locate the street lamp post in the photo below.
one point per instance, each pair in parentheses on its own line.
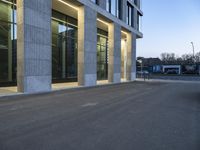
(194,54)
(193,50)
(140,61)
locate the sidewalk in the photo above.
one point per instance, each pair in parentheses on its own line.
(167,81)
(6,91)
(12,91)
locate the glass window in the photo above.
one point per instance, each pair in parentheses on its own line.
(64,47)
(8,42)
(118,6)
(139,21)
(130,15)
(135,2)
(114,7)
(102,55)
(108,5)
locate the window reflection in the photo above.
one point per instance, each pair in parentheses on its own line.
(64,48)
(102,55)
(130,14)
(8,38)
(114,7)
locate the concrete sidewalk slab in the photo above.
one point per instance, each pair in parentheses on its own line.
(167,81)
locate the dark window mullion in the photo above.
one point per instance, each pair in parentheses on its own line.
(110,4)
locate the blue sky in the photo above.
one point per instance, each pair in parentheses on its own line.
(169,26)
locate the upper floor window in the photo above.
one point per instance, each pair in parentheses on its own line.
(114,7)
(95,1)
(130,14)
(139,22)
(135,2)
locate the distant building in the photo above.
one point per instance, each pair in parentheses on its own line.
(171,69)
(152,65)
(155,65)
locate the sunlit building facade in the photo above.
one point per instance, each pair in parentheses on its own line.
(44,42)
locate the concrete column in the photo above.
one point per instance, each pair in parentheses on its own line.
(87,46)
(102,4)
(138,3)
(124,10)
(131,57)
(34,45)
(10,53)
(10,46)
(136,19)
(114,64)
(123,58)
(64,57)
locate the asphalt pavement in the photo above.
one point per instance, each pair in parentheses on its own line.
(177,77)
(129,116)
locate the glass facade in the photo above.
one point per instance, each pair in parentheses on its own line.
(130,14)
(8,42)
(102,55)
(114,7)
(64,47)
(64,44)
(139,22)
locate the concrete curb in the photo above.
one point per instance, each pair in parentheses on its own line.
(62,89)
(167,81)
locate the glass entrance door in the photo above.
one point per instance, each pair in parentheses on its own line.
(64,48)
(8,40)
(102,55)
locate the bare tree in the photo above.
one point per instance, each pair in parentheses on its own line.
(188,58)
(197,57)
(171,58)
(168,58)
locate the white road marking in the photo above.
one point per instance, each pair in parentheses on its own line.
(89,104)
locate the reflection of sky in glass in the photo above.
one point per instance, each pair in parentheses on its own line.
(113,7)
(13,18)
(62,28)
(169,26)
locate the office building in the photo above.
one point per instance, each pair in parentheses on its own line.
(53,41)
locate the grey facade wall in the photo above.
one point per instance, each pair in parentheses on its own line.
(34,45)
(34,52)
(124,10)
(122,22)
(114,65)
(102,4)
(131,57)
(87,43)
